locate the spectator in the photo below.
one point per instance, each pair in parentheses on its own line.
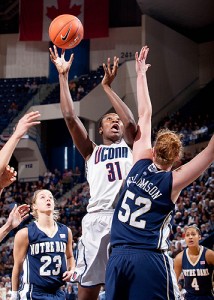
(80,90)
(33,88)
(13,109)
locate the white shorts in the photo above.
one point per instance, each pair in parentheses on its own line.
(93,249)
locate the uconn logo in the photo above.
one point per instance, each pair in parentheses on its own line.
(108,153)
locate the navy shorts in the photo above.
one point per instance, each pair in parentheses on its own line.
(137,274)
(33,292)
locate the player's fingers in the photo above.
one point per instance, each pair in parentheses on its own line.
(105,68)
(141,55)
(115,66)
(12,179)
(146,52)
(14,208)
(51,52)
(109,65)
(25,217)
(24,207)
(63,54)
(55,51)
(33,116)
(71,58)
(53,57)
(136,55)
(11,170)
(65,274)
(117,61)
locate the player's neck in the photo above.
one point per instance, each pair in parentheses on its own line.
(49,227)
(194,250)
(109,142)
(46,221)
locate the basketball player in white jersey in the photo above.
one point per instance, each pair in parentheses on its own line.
(107,166)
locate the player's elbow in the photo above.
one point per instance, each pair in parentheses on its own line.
(145,115)
(130,125)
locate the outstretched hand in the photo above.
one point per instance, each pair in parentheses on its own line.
(140,65)
(29,120)
(110,73)
(17,215)
(61,64)
(7,177)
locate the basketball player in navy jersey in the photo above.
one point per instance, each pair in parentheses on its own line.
(196,264)
(139,267)
(43,254)
(107,166)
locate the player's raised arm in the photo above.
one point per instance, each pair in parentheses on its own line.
(190,171)
(143,138)
(124,113)
(28,120)
(75,126)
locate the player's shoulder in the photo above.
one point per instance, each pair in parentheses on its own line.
(22,233)
(209,255)
(179,256)
(145,163)
(62,226)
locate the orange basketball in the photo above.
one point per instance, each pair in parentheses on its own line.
(66,31)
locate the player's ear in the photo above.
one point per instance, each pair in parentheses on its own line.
(100,131)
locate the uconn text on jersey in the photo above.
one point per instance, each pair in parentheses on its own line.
(105,153)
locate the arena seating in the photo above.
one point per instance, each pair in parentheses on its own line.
(15,93)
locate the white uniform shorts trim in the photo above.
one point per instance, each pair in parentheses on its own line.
(93,249)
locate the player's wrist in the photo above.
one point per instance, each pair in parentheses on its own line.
(14,295)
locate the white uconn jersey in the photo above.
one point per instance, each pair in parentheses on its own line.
(107,169)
